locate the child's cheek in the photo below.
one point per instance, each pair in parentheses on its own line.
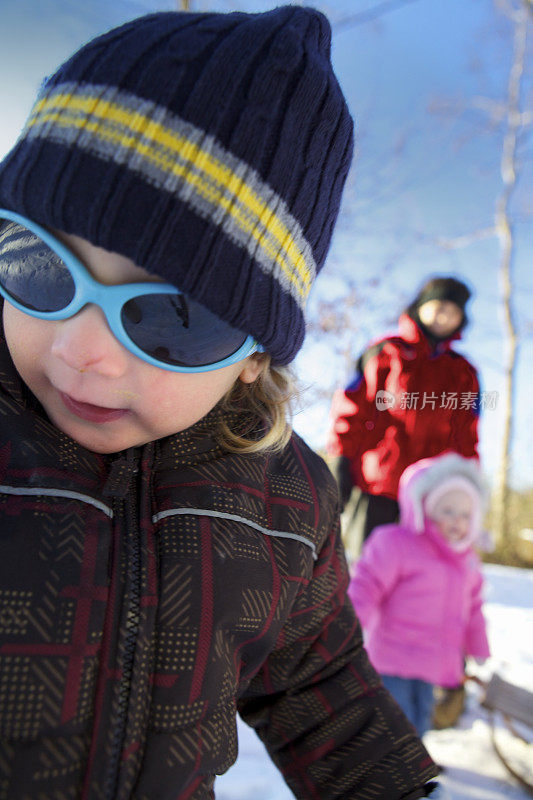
(26,339)
(169,402)
(175,401)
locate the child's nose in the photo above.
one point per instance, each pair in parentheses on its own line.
(85,342)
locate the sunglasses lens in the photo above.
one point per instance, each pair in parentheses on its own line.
(170,328)
(178,331)
(31,272)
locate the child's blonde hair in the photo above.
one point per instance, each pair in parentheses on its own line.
(263,411)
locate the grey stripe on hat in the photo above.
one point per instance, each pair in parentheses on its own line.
(131,141)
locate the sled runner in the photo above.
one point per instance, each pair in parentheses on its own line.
(515,704)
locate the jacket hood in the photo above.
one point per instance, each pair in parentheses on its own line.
(426,475)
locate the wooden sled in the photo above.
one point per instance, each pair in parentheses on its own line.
(515,704)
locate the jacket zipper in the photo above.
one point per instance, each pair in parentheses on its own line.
(133,556)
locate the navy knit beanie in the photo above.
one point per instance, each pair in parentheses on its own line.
(211,149)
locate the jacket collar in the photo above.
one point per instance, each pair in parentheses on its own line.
(197,444)
(413,333)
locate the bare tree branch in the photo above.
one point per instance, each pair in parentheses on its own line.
(514,10)
(369,15)
(458,242)
(493,110)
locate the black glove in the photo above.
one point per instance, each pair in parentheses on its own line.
(340,467)
(436,791)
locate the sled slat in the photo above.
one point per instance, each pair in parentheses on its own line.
(509,699)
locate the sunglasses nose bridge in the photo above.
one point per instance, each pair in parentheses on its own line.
(108,299)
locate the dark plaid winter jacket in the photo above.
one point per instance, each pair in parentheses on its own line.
(145,597)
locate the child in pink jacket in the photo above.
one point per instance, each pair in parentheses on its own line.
(417,586)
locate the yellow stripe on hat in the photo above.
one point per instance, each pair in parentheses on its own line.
(164,153)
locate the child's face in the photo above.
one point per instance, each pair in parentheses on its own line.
(452,515)
(93,388)
(441,317)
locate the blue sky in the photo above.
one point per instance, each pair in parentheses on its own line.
(419,174)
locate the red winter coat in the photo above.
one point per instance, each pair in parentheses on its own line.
(408,401)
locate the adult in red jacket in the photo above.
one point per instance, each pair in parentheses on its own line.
(412,397)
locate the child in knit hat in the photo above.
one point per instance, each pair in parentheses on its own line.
(417,587)
(170,551)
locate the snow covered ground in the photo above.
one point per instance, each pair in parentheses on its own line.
(472,769)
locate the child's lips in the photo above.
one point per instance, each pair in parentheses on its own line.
(457,534)
(90,412)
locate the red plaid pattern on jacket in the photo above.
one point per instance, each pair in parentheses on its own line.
(148,596)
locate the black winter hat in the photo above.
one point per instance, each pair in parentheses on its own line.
(443,289)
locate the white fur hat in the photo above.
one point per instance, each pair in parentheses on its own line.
(431,478)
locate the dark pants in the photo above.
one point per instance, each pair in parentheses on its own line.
(363,513)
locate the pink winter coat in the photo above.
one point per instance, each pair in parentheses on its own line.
(419,601)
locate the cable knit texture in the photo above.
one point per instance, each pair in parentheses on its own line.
(211,149)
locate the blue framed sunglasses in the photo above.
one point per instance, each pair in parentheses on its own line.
(154,321)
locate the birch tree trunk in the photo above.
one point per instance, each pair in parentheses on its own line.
(505,232)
